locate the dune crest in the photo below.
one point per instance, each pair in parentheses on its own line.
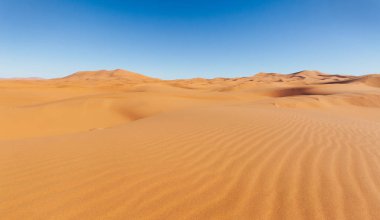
(117,74)
(305,77)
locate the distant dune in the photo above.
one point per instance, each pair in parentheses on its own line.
(113,144)
(117,74)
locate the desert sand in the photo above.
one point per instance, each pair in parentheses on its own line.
(121,145)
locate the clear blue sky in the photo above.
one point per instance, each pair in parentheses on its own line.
(188,38)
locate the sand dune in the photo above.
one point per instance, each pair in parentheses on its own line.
(371,80)
(117,74)
(119,145)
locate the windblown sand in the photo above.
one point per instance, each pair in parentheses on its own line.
(119,145)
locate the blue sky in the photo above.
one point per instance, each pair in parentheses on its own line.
(188,38)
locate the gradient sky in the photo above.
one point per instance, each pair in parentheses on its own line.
(188,38)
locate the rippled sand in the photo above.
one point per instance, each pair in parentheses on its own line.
(119,145)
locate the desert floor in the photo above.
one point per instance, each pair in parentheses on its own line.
(119,145)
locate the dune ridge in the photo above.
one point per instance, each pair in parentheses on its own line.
(103,145)
(117,74)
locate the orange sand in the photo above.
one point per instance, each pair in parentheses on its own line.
(119,145)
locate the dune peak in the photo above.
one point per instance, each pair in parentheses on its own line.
(119,74)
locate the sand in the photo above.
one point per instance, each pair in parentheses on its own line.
(120,145)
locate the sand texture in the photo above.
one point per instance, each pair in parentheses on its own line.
(120,145)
